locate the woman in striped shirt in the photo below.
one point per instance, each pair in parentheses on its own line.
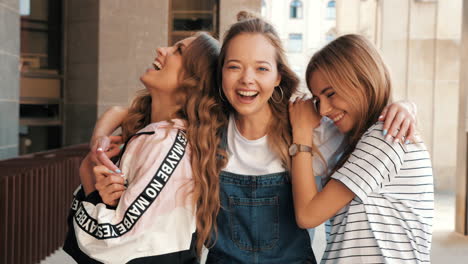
(380,194)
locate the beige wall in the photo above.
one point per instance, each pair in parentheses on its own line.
(420,41)
(228,10)
(129,34)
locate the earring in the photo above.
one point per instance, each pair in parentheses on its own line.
(282,96)
(220,94)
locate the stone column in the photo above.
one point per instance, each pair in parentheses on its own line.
(81,43)
(109,44)
(9,77)
(461,220)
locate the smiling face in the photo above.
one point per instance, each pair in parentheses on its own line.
(331,104)
(167,67)
(250,74)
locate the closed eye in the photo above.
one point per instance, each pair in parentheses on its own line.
(330,94)
(179,49)
(316,103)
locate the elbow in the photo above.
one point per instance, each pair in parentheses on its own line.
(305,221)
(118,109)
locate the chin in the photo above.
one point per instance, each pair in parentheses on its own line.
(344,128)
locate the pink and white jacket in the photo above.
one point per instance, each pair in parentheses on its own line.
(155,218)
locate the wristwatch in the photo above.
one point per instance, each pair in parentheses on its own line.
(296,148)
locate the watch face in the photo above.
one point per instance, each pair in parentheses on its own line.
(292,150)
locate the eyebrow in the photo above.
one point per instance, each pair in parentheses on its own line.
(180,45)
(259,61)
(326,89)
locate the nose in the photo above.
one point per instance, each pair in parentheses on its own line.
(161,51)
(248,76)
(325,107)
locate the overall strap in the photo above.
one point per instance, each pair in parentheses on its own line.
(223,143)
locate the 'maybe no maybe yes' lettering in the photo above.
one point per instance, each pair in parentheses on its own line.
(141,203)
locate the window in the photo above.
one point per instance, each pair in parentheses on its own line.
(295,9)
(295,43)
(331,10)
(330,35)
(263,10)
(25,7)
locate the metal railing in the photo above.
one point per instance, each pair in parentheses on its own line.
(35,196)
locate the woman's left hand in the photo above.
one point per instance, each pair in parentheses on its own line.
(304,119)
(399,121)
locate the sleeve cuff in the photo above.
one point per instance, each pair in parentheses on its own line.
(351,185)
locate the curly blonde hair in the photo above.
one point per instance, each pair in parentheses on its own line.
(279,129)
(205,118)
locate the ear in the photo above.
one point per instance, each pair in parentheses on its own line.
(278,80)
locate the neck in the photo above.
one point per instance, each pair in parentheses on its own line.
(163,107)
(253,126)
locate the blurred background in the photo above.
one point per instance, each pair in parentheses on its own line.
(64,62)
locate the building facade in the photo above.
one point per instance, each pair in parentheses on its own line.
(421,46)
(304,27)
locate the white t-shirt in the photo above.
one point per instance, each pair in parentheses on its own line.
(254,157)
(390,219)
(249,157)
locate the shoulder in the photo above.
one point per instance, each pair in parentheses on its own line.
(157,138)
(375,131)
(374,140)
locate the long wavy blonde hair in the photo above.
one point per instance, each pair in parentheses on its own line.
(205,118)
(356,71)
(279,129)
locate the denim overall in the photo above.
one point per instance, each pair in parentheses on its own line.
(256,223)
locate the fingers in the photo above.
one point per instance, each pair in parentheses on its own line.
(400,137)
(101,143)
(101,172)
(109,185)
(383,114)
(103,182)
(104,160)
(113,151)
(112,193)
(389,117)
(116,140)
(395,125)
(112,199)
(411,133)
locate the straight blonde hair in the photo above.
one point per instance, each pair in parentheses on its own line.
(356,71)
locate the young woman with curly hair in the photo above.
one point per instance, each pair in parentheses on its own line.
(170,164)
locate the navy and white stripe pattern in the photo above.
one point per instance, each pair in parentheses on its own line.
(390,219)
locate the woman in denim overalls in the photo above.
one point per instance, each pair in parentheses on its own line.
(256,223)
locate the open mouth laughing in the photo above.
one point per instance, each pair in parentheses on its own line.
(157,65)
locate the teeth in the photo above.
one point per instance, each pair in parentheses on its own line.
(338,118)
(247,93)
(157,65)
